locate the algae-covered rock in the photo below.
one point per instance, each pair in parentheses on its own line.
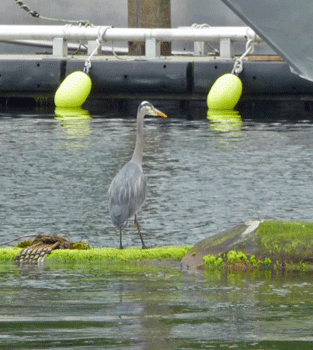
(269,244)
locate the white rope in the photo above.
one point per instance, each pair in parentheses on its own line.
(99,40)
(238,65)
(116,55)
(204,25)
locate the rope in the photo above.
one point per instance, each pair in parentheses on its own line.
(204,25)
(85,23)
(116,55)
(99,40)
(37,15)
(238,65)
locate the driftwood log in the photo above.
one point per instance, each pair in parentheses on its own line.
(43,245)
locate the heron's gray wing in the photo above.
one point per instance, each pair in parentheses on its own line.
(127,193)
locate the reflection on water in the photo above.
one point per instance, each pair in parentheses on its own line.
(228,123)
(75,124)
(152,307)
(225,120)
(204,176)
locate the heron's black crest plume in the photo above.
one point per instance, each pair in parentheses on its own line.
(144,104)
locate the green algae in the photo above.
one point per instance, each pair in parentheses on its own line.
(7,254)
(100,254)
(235,259)
(115,254)
(25,244)
(81,245)
(213,261)
(286,240)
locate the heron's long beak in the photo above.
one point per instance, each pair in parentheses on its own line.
(159,113)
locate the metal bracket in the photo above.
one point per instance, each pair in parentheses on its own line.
(92,46)
(59,47)
(200,48)
(153,48)
(226,48)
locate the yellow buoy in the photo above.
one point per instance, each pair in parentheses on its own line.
(225,92)
(73,91)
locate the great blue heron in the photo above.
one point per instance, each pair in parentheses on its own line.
(128,189)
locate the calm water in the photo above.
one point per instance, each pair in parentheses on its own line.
(205,175)
(132,307)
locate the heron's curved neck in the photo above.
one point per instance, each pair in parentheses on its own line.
(138,152)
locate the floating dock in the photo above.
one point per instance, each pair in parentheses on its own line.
(180,78)
(152,76)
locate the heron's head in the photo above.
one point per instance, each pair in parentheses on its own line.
(148,109)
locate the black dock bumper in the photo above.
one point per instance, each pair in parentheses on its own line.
(174,78)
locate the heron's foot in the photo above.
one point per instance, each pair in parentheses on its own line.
(144,247)
(121,247)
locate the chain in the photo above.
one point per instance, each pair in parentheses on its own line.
(238,65)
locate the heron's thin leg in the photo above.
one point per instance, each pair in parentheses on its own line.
(121,245)
(138,229)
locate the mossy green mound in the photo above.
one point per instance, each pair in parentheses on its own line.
(100,254)
(286,240)
(130,254)
(256,244)
(8,254)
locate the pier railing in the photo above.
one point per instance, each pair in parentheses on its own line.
(61,36)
